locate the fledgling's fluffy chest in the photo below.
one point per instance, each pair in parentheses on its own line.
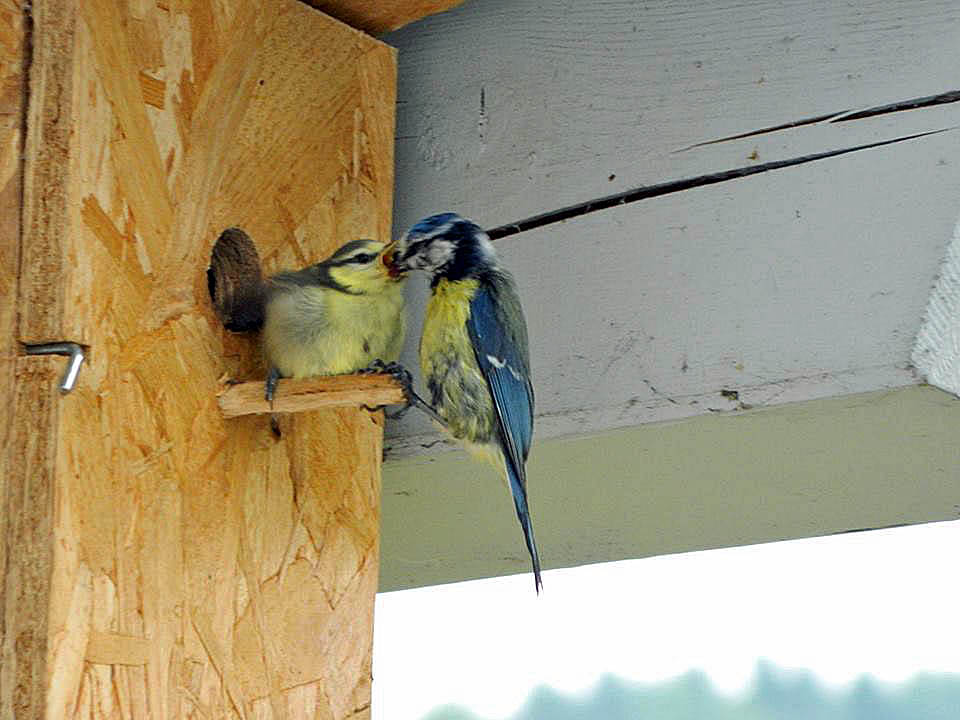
(316,331)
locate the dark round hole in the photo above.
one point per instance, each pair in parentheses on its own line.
(236,282)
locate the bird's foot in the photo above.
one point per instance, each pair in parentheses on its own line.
(398,372)
(393,416)
(378,366)
(405,378)
(273,377)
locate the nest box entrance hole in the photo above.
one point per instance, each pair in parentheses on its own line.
(235,281)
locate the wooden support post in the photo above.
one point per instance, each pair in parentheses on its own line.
(160,560)
(22,626)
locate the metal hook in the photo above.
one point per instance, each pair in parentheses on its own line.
(71,349)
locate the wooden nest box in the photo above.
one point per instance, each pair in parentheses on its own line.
(160,560)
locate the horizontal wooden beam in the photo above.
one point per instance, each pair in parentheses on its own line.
(383,16)
(311,394)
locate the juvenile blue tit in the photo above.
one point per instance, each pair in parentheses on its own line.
(473,351)
(338,316)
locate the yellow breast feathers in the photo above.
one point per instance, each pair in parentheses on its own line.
(445,322)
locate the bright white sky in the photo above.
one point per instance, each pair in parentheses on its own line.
(882,602)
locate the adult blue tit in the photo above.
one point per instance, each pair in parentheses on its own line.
(473,351)
(338,316)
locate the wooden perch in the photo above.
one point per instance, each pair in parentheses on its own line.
(311,394)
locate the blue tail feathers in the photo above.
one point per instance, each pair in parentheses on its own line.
(519,493)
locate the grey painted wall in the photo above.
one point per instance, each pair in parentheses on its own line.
(791,285)
(794,288)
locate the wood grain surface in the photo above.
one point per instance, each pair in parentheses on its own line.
(182,565)
(383,16)
(24,479)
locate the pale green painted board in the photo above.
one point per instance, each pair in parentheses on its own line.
(814,468)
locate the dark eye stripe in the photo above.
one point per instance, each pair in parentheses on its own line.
(415,248)
(362,258)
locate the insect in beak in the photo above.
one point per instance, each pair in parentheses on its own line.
(389,260)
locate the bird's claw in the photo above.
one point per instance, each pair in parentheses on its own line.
(273,376)
(392,416)
(393,368)
(405,378)
(400,374)
(376,367)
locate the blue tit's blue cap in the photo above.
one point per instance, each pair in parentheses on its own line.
(429,224)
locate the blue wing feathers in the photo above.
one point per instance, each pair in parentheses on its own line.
(499,337)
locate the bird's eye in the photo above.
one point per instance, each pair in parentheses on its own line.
(362,258)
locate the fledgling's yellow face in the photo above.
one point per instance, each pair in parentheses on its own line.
(362,266)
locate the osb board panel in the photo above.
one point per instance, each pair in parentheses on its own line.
(201,567)
(29,524)
(384,16)
(12,49)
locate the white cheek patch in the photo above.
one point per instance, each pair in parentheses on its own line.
(439,253)
(486,248)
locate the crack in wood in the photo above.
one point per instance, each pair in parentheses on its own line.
(914,104)
(828,117)
(649,191)
(841,116)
